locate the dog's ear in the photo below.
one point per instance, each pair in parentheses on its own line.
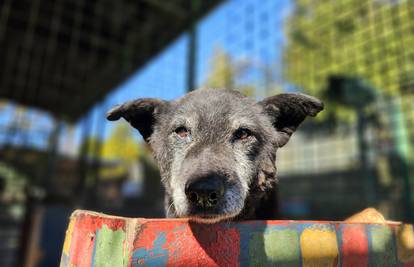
(287,111)
(140,113)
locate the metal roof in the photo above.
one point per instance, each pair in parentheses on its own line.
(63,56)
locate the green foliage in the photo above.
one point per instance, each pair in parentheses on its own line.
(118,151)
(15,183)
(222,71)
(91,145)
(225,73)
(367,39)
(121,144)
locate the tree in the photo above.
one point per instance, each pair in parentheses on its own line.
(222,71)
(121,144)
(120,147)
(226,73)
(368,39)
(92,145)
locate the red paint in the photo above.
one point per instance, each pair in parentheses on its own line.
(276,223)
(354,246)
(81,247)
(191,244)
(221,244)
(84,235)
(92,223)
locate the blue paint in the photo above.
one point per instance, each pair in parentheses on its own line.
(245,230)
(64,261)
(157,256)
(339,241)
(381,256)
(94,248)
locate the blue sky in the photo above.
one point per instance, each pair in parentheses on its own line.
(245,29)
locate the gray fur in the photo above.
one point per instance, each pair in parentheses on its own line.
(212,117)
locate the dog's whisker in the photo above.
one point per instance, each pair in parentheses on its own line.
(169,207)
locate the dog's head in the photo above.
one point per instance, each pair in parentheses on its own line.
(216,149)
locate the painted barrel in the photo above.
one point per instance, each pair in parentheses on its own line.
(95,239)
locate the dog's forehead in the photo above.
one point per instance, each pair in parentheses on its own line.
(216,102)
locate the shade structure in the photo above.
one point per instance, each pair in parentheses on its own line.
(65,56)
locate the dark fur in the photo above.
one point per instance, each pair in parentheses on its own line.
(212,116)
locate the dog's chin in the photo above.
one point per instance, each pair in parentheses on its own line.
(210,219)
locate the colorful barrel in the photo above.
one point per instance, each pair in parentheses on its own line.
(99,240)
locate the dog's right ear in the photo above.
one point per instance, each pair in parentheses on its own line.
(140,113)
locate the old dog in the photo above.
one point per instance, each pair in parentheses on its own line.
(216,149)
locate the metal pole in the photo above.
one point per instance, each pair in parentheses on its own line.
(402,155)
(82,160)
(192,45)
(97,153)
(370,181)
(100,129)
(52,160)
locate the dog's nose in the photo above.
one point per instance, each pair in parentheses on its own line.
(205,192)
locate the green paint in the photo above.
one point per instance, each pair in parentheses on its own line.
(109,250)
(279,247)
(382,245)
(126,256)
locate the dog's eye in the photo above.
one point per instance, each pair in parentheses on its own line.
(242,134)
(182,132)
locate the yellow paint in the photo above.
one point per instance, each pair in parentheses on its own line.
(319,247)
(68,237)
(405,243)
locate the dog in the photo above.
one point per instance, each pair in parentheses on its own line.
(216,149)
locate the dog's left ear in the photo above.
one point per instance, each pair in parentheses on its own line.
(287,111)
(140,113)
